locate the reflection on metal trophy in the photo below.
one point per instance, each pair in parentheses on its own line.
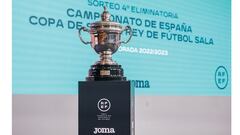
(105,40)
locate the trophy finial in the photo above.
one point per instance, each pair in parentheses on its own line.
(105,15)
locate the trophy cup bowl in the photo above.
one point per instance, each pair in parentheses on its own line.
(105,37)
(105,40)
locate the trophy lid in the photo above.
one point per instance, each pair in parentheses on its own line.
(105,23)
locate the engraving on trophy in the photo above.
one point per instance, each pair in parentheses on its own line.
(102,37)
(105,40)
(105,72)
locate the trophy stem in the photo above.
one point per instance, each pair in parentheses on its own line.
(106,58)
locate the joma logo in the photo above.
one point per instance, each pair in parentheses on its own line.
(104,130)
(141,83)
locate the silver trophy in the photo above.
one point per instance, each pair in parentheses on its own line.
(105,40)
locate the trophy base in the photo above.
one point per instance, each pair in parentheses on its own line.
(106,73)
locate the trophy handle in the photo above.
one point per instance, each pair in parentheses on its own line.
(130,34)
(80,36)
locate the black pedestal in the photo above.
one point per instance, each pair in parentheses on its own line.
(106,107)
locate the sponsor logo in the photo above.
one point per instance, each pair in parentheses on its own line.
(104,131)
(141,83)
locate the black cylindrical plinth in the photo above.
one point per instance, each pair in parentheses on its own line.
(105,73)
